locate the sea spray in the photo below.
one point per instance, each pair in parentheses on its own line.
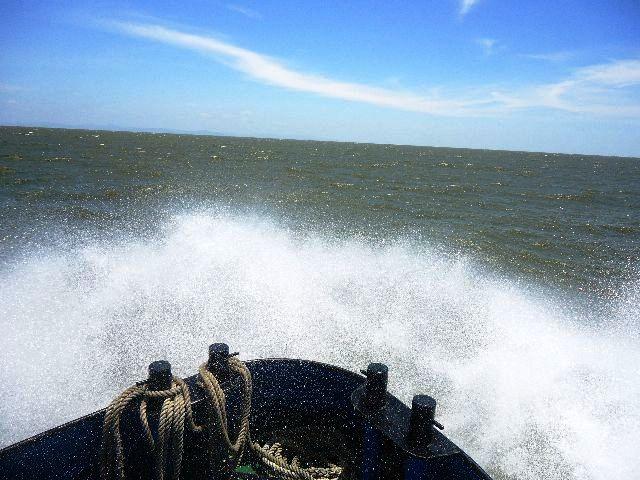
(527,382)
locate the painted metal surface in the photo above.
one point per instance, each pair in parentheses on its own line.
(313,405)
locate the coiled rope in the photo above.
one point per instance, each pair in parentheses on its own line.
(168,448)
(217,400)
(273,457)
(270,456)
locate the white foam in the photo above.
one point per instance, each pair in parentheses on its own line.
(523,383)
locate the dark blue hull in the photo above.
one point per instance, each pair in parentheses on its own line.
(318,407)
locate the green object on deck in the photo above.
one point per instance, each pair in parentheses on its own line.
(245,469)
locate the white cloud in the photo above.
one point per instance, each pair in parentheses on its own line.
(247,12)
(272,72)
(549,57)
(621,73)
(8,88)
(603,89)
(597,89)
(487,45)
(465,6)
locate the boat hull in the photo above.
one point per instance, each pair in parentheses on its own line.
(314,405)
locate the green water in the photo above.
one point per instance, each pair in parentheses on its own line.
(564,220)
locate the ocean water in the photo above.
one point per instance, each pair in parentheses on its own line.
(505,284)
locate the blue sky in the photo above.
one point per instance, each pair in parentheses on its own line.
(560,76)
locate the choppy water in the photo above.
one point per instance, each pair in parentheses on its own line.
(505,284)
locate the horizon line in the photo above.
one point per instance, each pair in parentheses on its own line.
(208,133)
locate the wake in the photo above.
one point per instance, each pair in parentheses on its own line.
(526,382)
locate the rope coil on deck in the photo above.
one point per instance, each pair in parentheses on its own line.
(217,399)
(273,458)
(168,448)
(270,456)
(175,412)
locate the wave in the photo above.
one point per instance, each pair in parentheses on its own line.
(529,383)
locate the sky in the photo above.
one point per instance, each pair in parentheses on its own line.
(553,76)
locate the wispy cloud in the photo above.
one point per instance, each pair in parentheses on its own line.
(8,88)
(549,57)
(247,12)
(465,6)
(602,89)
(623,73)
(272,72)
(488,45)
